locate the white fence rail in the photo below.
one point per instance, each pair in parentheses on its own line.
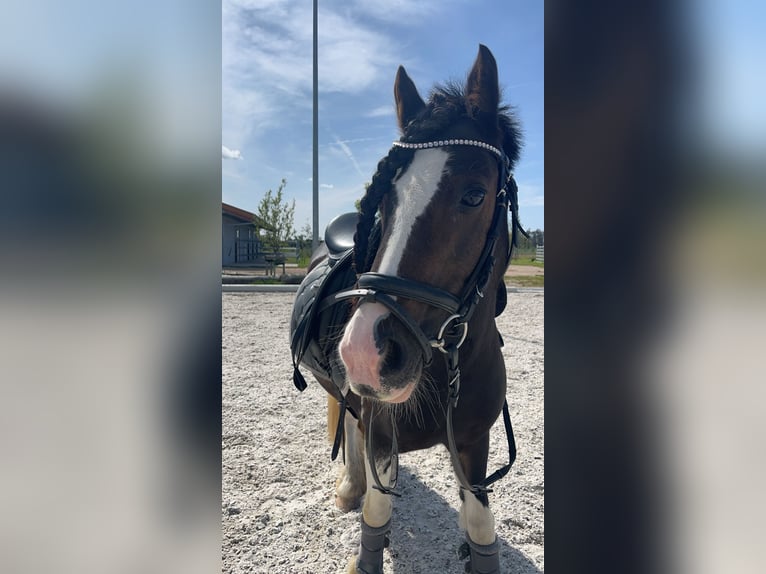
(540,253)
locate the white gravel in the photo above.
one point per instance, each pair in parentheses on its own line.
(278,514)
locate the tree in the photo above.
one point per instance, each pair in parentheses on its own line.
(305,235)
(358,202)
(303,244)
(274,211)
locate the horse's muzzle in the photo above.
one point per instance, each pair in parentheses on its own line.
(382,359)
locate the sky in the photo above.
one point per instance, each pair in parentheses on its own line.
(267,90)
(728,43)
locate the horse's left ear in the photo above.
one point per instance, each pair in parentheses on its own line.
(482,90)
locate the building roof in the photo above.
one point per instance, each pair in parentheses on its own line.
(245,216)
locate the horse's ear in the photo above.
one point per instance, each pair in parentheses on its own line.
(482,90)
(408,101)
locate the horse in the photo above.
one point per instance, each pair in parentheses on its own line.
(393,290)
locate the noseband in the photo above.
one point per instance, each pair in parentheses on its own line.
(381,288)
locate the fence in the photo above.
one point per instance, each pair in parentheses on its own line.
(540,253)
(246,250)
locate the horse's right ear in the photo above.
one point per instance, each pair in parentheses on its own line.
(408,101)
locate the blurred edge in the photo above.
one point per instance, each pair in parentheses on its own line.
(655,300)
(110,289)
(110,339)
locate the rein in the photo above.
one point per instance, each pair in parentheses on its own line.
(380,288)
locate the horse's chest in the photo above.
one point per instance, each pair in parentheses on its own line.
(474,416)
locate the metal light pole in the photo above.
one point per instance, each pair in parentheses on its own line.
(315,177)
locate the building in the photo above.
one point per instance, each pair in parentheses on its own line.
(241,243)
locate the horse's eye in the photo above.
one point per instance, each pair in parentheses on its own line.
(473,197)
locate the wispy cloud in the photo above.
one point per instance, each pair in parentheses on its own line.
(227,153)
(399,11)
(326,185)
(381,111)
(349,154)
(267,44)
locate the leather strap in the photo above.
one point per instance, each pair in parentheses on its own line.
(394,459)
(373,296)
(453,370)
(409,289)
(340,431)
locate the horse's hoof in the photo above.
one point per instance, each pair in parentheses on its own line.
(348,504)
(464,551)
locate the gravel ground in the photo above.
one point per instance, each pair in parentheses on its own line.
(278,513)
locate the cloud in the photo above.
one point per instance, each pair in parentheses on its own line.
(402,12)
(326,185)
(349,154)
(227,153)
(381,111)
(267,60)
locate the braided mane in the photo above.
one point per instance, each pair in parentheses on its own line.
(446,104)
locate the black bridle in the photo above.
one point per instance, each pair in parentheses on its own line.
(381,288)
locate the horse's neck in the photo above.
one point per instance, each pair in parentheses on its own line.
(482,329)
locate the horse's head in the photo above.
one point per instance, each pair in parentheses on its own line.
(436,206)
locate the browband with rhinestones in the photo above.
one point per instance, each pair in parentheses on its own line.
(440,143)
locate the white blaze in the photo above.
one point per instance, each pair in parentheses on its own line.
(414,191)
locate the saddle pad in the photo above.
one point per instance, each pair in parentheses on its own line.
(313,332)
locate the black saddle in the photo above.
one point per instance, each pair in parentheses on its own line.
(314,331)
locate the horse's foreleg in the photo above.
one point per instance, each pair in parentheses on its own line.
(351,484)
(476,518)
(376,524)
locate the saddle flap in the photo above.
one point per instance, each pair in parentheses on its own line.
(312,329)
(304,308)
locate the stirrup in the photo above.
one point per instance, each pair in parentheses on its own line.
(374,540)
(482,558)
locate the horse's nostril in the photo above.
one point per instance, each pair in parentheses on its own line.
(394,357)
(383,336)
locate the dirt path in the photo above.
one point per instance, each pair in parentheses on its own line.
(524,271)
(278,513)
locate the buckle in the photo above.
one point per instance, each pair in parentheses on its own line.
(440,343)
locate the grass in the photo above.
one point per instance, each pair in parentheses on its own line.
(271,280)
(527,261)
(527,281)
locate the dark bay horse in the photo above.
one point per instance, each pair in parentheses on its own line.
(410,354)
